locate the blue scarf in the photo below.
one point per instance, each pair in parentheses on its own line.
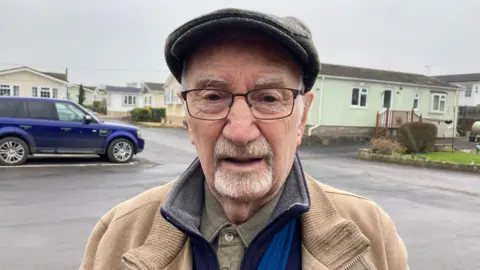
(278,251)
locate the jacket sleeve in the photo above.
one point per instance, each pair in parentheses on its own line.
(93,242)
(396,251)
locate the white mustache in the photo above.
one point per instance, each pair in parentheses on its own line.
(225,148)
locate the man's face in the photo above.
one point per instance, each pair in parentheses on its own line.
(244,158)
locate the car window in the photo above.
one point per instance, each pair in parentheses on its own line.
(8,107)
(39,109)
(68,112)
(22,111)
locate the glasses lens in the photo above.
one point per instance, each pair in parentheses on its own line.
(271,103)
(208,104)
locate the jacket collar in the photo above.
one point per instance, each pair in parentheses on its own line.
(329,241)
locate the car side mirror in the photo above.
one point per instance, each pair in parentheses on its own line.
(88,119)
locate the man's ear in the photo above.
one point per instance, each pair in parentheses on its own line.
(187,119)
(307,100)
(190,132)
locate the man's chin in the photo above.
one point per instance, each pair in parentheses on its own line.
(245,187)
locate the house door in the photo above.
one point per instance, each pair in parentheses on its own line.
(387,99)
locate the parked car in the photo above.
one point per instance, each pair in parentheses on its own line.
(90,111)
(30,126)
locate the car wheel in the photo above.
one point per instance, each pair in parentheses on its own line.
(120,151)
(13,151)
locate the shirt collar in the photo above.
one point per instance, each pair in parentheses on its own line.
(185,201)
(214,219)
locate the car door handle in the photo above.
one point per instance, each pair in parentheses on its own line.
(66,129)
(25,126)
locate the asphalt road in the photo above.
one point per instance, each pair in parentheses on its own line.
(47,213)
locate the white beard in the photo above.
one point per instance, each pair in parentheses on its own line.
(243,186)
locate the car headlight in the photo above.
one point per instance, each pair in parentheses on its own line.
(139,134)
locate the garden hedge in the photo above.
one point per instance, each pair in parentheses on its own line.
(418,137)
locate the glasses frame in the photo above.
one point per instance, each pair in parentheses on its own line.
(295,92)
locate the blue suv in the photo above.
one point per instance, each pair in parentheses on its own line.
(30,126)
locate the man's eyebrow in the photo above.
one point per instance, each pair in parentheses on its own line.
(270,83)
(210,82)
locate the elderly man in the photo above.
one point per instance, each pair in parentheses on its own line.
(246,202)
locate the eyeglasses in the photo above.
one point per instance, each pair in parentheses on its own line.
(265,104)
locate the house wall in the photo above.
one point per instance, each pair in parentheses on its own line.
(116,106)
(99,95)
(157,99)
(175,108)
(333,111)
(474,98)
(26,80)
(73,92)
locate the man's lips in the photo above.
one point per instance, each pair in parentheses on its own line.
(243,160)
(242,164)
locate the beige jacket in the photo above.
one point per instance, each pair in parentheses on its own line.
(341,231)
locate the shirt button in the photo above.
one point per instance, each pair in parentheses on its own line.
(229,236)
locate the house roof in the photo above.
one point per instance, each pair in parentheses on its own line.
(91,88)
(58,76)
(122,89)
(154,86)
(469,77)
(381,75)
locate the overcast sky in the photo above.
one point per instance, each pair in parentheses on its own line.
(117,41)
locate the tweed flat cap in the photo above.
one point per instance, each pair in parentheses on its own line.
(290,32)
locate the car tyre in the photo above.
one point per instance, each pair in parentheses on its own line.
(120,151)
(13,151)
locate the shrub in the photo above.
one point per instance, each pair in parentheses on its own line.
(97,104)
(158,114)
(88,107)
(386,146)
(141,114)
(418,137)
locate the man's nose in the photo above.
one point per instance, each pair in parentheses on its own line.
(241,127)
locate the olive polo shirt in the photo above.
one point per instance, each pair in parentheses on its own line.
(229,240)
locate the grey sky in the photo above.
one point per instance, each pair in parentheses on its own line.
(116,41)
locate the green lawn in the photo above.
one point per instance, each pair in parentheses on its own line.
(454,157)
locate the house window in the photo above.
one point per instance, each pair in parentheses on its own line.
(5,90)
(468,92)
(16,90)
(166,96)
(54,92)
(439,102)
(129,100)
(359,97)
(45,92)
(416,99)
(148,100)
(34,92)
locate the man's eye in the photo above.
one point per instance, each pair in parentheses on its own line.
(213,97)
(269,99)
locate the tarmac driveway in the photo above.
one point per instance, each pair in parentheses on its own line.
(46,214)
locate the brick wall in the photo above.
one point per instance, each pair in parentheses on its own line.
(338,134)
